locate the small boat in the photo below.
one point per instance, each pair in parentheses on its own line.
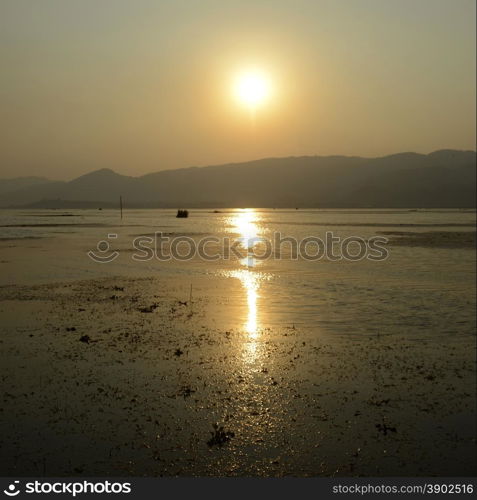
(182,214)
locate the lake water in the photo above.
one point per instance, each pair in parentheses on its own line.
(348,366)
(416,292)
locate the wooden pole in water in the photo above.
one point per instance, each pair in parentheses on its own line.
(121,206)
(190,299)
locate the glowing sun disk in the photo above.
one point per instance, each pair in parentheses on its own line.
(252,89)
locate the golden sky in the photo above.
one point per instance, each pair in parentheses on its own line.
(149,85)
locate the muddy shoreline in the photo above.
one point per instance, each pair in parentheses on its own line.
(122,376)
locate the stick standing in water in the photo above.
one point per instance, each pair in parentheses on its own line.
(190,301)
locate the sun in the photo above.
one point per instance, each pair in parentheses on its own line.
(252,88)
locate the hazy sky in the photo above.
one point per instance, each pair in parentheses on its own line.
(143,85)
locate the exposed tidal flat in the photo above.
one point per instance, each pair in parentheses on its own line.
(221,369)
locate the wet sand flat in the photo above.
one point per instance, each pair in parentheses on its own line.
(121,376)
(196,368)
(432,239)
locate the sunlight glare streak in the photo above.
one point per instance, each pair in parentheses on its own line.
(246,226)
(245,223)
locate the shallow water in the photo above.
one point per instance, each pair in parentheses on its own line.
(420,293)
(317,367)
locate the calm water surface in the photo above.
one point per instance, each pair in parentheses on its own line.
(418,293)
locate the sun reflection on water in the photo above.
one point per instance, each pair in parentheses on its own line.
(246,223)
(251,282)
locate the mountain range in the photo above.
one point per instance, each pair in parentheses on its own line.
(442,179)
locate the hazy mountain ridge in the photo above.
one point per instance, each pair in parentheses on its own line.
(444,178)
(17,183)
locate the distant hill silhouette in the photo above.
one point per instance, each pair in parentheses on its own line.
(444,179)
(10,185)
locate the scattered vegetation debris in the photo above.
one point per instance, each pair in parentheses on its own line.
(384,428)
(149,309)
(186,391)
(85,338)
(71,329)
(219,436)
(383,402)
